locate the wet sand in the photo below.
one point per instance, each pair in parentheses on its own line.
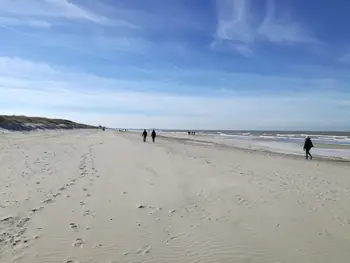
(93,196)
(332,152)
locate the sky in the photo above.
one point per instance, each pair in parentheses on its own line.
(178,64)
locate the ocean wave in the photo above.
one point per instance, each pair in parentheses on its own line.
(277,136)
(288,135)
(268,137)
(300,138)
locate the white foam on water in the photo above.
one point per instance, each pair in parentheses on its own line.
(283,147)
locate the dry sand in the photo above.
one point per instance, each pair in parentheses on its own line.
(93,196)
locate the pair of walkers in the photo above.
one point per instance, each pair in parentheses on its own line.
(153,135)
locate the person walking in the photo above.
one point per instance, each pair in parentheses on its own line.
(307,147)
(144,135)
(154,136)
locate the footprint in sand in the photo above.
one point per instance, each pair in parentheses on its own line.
(37,209)
(171,238)
(79,242)
(172,211)
(144,250)
(56,194)
(74,226)
(48,201)
(87,212)
(96,246)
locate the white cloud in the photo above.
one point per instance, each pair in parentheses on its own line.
(13,21)
(13,66)
(135,44)
(41,13)
(240,48)
(47,8)
(237,24)
(233,21)
(279,30)
(38,89)
(245,50)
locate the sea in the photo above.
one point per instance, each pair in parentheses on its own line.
(332,144)
(327,144)
(340,138)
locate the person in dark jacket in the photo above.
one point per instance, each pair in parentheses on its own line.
(307,147)
(144,135)
(153,134)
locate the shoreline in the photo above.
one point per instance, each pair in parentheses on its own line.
(227,142)
(210,140)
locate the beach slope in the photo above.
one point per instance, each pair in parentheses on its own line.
(93,196)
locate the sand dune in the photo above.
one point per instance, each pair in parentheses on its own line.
(26,123)
(92,196)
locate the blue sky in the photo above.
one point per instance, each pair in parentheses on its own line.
(187,64)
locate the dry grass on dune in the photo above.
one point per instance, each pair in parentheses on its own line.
(16,122)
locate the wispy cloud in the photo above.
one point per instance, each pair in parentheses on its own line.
(132,62)
(41,13)
(283,29)
(241,48)
(38,87)
(233,21)
(234,28)
(116,31)
(237,23)
(13,21)
(48,8)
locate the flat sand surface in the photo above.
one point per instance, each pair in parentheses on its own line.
(93,196)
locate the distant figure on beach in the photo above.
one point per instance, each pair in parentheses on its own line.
(307,147)
(144,135)
(154,136)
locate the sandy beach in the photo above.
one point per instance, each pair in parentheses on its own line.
(103,197)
